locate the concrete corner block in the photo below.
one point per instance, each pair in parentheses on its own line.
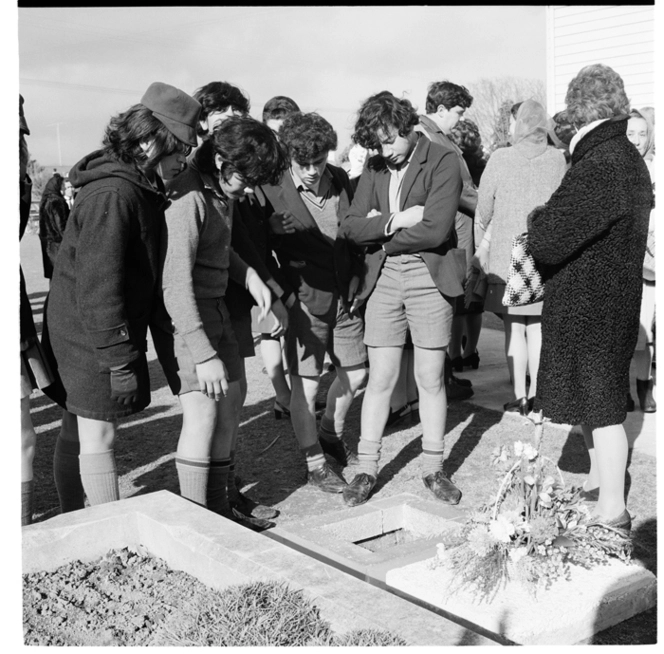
(569,612)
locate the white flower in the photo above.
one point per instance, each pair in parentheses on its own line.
(501,529)
(440,551)
(517,554)
(518,448)
(525,449)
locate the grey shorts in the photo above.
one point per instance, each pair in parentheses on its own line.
(405,297)
(309,337)
(218,329)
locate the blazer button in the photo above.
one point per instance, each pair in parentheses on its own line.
(123,332)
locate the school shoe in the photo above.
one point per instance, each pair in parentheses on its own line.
(473,361)
(338,450)
(255,524)
(457,364)
(326,479)
(442,488)
(462,382)
(248,507)
(358,491)
(456,392)
(644,393)
(517,406)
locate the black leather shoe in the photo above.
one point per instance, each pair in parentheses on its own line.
(326,479)
(248,507)
(461,382)
(358,491)
(255,524)
(473,361)
(517,406)
(442,488)
(338,450)
(456,392)
(457,364)
(398,415)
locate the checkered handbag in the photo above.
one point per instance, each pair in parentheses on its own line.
(524,282)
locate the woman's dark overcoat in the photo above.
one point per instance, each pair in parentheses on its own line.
(103,288)
(589,240)
(53,215)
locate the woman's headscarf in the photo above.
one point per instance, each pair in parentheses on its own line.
(532,123)
(54,186)
(648,114)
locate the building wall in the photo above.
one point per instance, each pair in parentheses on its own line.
(621,37)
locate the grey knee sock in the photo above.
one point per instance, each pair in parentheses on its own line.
(67,475)
(99,477)
(193,477)
(217,487)
(26,502)
(368,454)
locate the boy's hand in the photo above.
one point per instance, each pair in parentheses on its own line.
(280,314)
(408,217)
(281,223)
(260,292)
(212,378)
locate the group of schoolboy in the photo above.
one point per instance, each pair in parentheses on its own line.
(347,270)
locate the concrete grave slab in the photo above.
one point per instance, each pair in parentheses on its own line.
(221,553)
(351,539)
(568,613)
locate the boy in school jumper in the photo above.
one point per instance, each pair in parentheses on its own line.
(403,214)
(197,261)
(309,201)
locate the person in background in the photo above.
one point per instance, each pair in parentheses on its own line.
(53,214)
(249,239)
(309,200)
(105,286)
(445,105)
(466,136)
(516,180)
(641,133)
(35,373)
(589,242)
(402,218)
(276,110)
(197,261)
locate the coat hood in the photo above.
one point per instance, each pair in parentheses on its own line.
(100,165)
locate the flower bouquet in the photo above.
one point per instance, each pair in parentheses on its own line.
(533,531)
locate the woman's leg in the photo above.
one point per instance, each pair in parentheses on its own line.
(534,345)
(516,352)
(473,327)
(611,450)
(28,444)
(273,359)
(592,481)
(99,474)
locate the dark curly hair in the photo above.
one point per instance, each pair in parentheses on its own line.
(383,112)
(218,96)
(279,107)
(467,136)
(126,131)
(249,148)
(307,137)
(448,94)
(596,92)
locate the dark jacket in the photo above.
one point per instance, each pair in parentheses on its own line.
(317,268)
(53,215)
(432,180)
(103,289)
(589,240)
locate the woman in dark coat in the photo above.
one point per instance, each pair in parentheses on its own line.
(589,240)
(103,289)
(53,214)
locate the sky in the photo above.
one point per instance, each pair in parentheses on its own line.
(80,66)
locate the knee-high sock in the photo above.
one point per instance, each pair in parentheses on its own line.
(331,430)
(99,477)
(217,487)
(432,456)
(26,502)
(67,475)
(314,456)
(368,454)
(193,476)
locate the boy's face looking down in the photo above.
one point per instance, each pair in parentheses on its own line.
(394,148)
(310,172)
(234,186)
(215,118)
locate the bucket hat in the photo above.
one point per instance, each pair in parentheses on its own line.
(175,109)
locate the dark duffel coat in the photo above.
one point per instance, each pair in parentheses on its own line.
(103,288)
(589,241)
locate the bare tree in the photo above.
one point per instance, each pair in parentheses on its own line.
(491,96)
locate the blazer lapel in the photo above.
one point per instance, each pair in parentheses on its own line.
(291,198)
(383,190)
(414,168)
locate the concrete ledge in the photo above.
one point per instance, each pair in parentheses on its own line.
(221,553)
(570,612)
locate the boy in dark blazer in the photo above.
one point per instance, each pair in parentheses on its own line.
(403,216)
(309,202)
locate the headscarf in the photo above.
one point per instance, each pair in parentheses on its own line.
(54,186)
(532,123)
(648,114)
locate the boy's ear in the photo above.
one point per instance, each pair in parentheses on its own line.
(218,161)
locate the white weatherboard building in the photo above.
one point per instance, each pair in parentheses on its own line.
(620,36)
